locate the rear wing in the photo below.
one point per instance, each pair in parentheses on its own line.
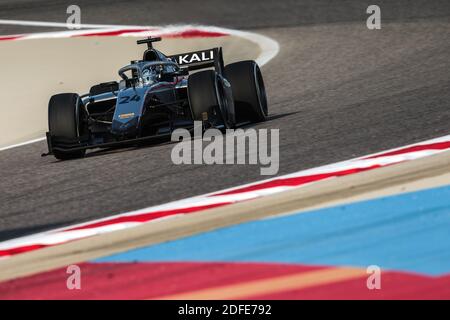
(203,59)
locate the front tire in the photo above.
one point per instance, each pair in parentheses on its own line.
(249,92)
(208,100)
(64,123)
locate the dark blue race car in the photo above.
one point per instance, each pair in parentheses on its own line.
(155,96)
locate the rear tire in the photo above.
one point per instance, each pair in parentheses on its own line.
(249,92)
(64,124)
(207,99)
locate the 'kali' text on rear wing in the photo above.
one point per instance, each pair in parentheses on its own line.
(200,59)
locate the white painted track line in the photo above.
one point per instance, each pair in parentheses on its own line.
(60,24)
(22,144)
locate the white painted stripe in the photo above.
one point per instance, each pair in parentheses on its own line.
(22,143)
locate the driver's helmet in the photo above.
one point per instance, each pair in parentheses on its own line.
(150,75)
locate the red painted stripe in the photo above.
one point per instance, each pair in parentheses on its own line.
(432,146)
(295,181)
(22,249)
(394,285)
(141,280)
(153,280)
(194,33)
(112,33)
(191,33)
(144,217)
(10,37)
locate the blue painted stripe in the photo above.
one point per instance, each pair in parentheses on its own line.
(409,232)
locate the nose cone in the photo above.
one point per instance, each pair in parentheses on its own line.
(126,126)
(128,111)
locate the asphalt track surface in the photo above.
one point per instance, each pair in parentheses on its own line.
(336,90)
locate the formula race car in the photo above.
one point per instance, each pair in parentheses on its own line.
(155,96)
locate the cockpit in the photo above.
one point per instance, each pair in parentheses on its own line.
(146,73)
